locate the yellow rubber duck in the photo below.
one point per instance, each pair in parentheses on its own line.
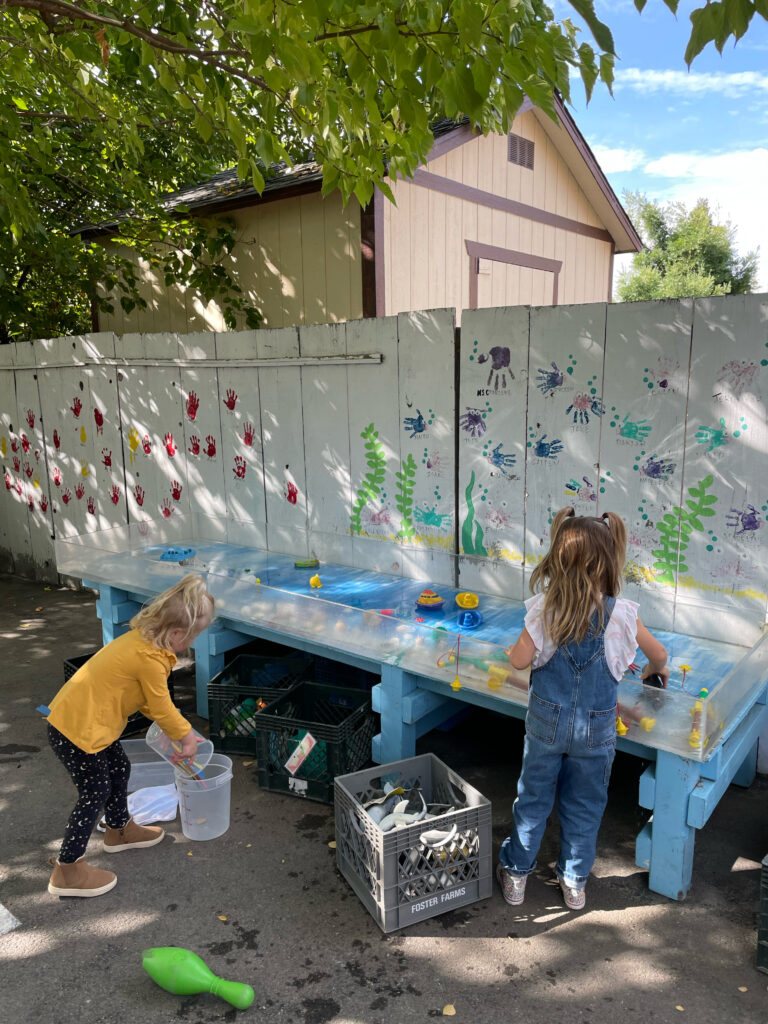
(314,581)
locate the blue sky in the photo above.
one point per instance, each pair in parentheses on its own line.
(680,135)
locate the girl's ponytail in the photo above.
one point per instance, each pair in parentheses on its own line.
(619,533)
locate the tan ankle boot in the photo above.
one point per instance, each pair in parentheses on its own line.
(79,879)
(132,837)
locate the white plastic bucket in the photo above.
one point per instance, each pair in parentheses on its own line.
(204,803)
(163,745)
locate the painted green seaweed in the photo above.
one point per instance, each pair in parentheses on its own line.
(675,530)
(370,489)
(406,480)
(471,531)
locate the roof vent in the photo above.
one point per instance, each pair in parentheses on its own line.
(520,151)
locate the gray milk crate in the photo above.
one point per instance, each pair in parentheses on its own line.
(418,871)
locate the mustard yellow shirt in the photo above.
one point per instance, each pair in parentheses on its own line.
(129,674)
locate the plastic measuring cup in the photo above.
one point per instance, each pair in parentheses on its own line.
(165,747)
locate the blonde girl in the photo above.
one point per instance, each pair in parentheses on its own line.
(90,712)
(579,639)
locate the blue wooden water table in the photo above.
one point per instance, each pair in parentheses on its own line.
(699,735)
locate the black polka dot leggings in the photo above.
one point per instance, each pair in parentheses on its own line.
(102,781)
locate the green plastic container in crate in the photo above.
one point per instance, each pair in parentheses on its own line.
(247,684)
(418,871)
(339,719)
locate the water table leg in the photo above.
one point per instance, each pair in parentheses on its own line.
(671,837)
(397,739)
(745,776)
(210,648)
(115,608)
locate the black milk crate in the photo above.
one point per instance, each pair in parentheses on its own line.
(762,923)
(136,722)
(418,871)
(338,673)
(256,678)
(340,719)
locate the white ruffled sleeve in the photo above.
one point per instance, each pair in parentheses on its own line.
(534,623)
(621,637)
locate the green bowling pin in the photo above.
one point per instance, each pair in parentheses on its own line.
(183,973)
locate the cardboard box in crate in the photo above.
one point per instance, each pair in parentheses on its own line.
(340,720)
(418,871)
(136,722)
(248,683)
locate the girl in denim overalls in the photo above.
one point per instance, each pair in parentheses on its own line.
(579,639)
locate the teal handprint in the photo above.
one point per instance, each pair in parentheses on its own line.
(636,430)
(714,437)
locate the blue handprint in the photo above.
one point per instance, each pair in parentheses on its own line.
(415,423)
(658,469)
(431,517)
(547,449)
(637,430)
(584,404)
(501,461)
(548,380)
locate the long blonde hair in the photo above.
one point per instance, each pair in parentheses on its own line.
(179,607)
(584,564)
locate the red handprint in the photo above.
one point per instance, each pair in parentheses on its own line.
(247,435)
(99,421)
(169,446)
(114,495)
(57,476)
(16,463)
(14,445)
(166,508)
(18,487)
(193,404)
(25,442)
(76,406)
(231,400)
(91,506)
(146,444)
(37,454)
(56,440)
(239,467)
(79,490)
(194,445)
(31,501)
(292,493)
(31,419)
(106,456)
(66,495)
(8,481)
(210,446)
(43,504)
(176,490)
(138,493)
(28,470)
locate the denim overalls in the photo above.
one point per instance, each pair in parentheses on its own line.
(570,743)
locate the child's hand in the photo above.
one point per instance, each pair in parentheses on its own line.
(663,672)
(188,748)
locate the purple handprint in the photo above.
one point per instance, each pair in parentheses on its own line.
(658,469)
(743,520)
(472,422)
(548,380)
(584,404)
(499,356)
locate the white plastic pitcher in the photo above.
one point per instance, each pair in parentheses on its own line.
(163,745)
(204,803)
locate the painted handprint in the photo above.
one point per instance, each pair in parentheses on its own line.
(169,445)
(28,470)
(76,407)
(57,476)
(378,518)
(176,490)
(56,440)
(231,400)
(43,503)
(431,517)
(239,467)
(193,404)
(210,446)
(472,422)
(584,491)
(248,434)
(713,437)
(658,469)
(739,375)
(66,495)
(8,481)
(584,404)
(79,491)
(416,423)
(14,445)
(114,494)
(16,464)
(548,380)
(291,493)
(499,356)
(146,445)
(99,418)
(498,519)
(91,506)
(743,520)
(138,493)
(434,462)
(544,449)
(25,443)
(31,501)
(106,456)
(635,430)
(166,508)
(194,445)
(30,419)
(501,461)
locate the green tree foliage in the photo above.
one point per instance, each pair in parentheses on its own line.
(687,254)
(109,106)
(716,22)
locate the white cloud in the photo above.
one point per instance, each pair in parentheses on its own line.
(616,160)
(723,83)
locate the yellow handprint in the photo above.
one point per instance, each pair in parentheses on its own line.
(134,440)
(83,436)
(3,446)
